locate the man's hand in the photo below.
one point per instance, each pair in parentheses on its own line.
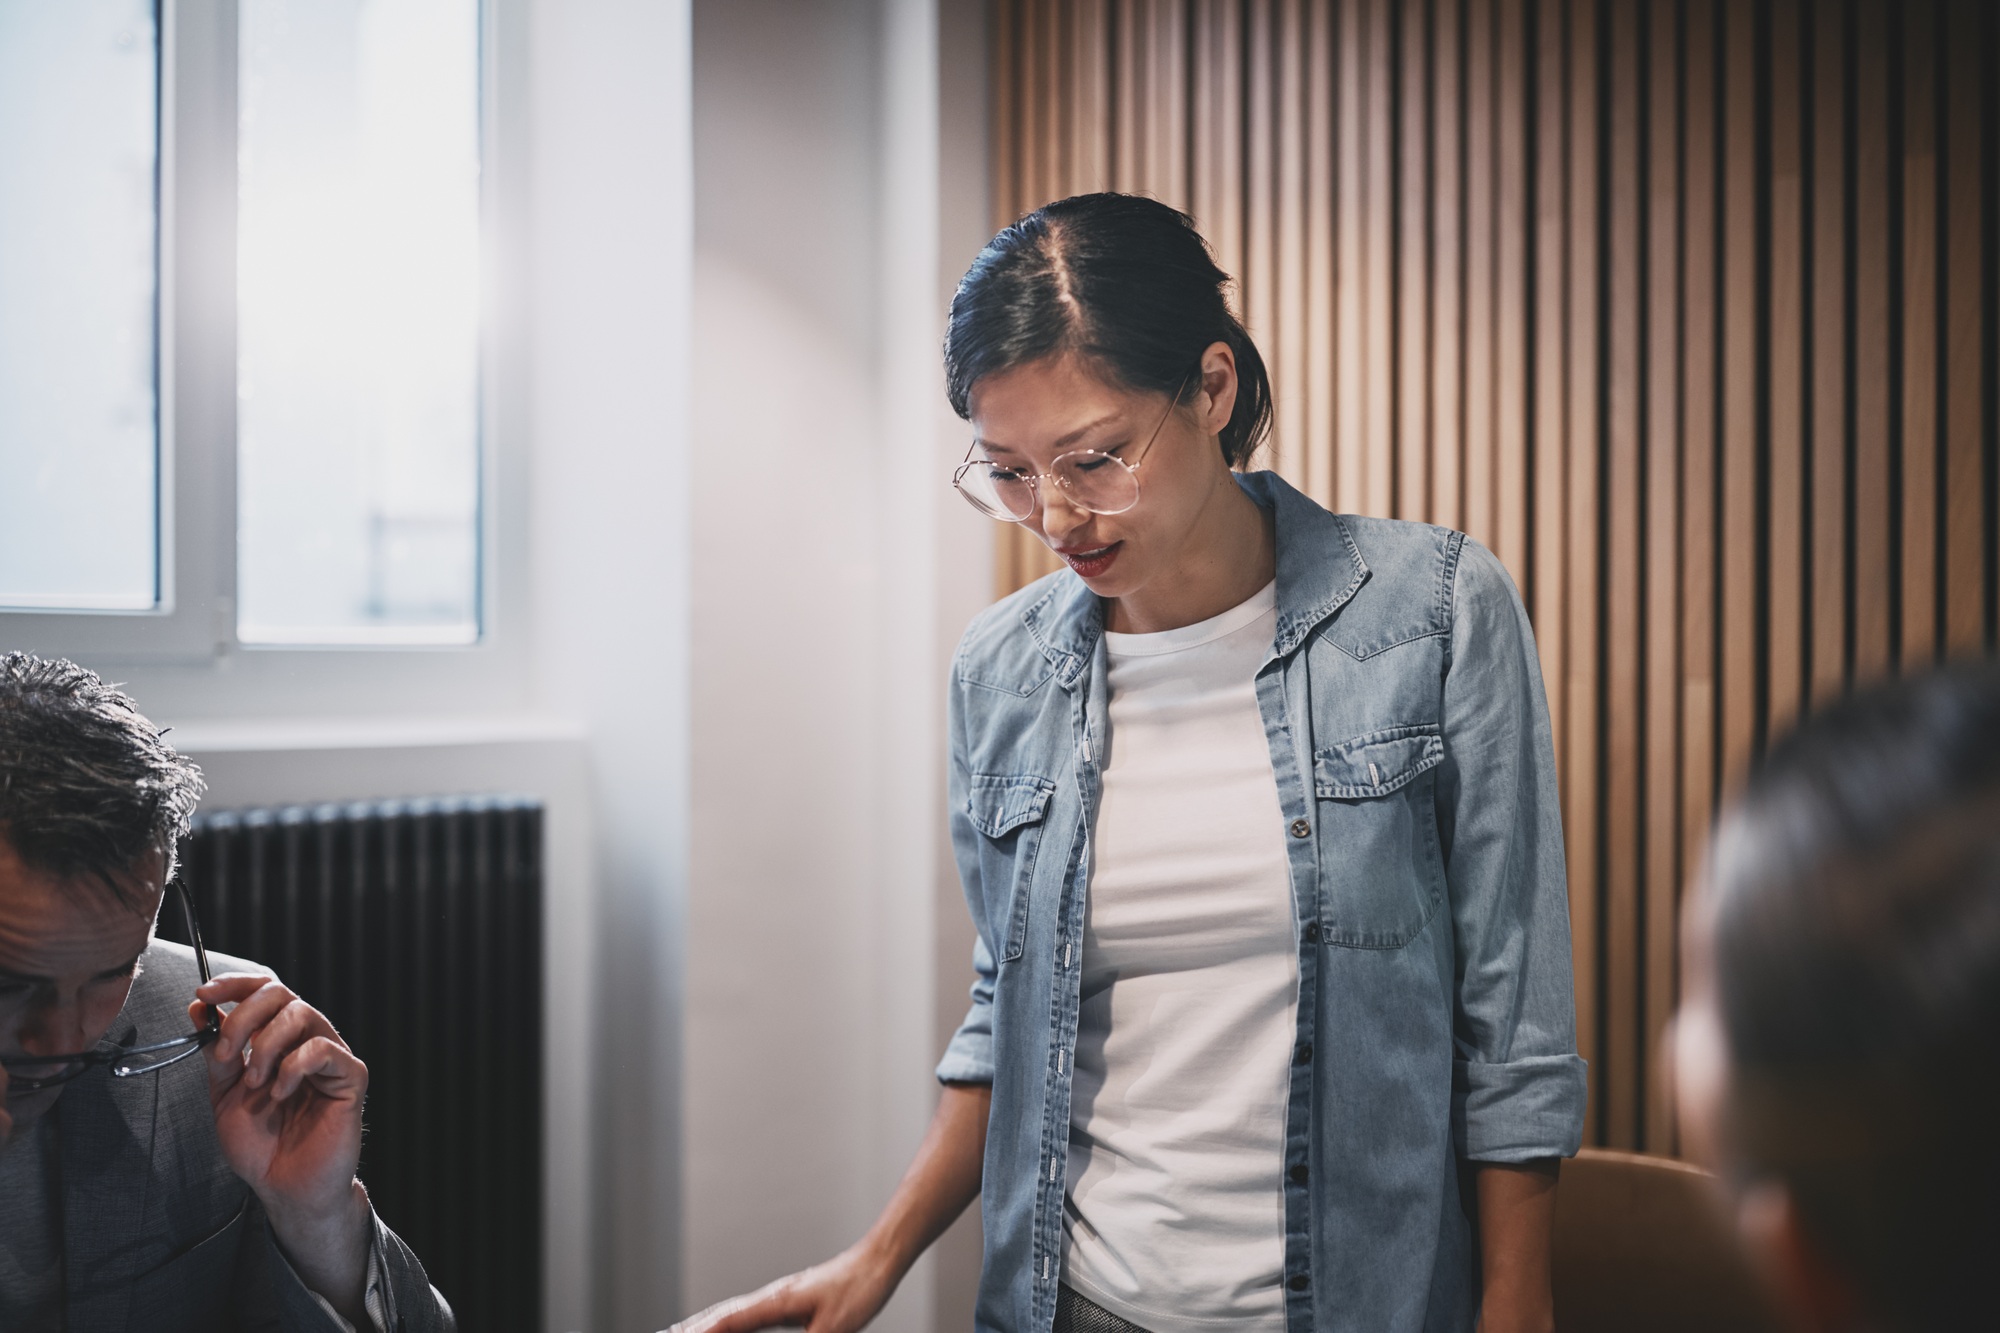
(287,1096)
(838,1296)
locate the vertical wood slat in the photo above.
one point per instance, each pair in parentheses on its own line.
(1621,517)
(1377,494)
(1579,761)
(1292,380)
(1321,350)
(1869,552)
(1447,267)
(1412,294)
(1784,674)
(1481,157)
(1964,571)
(1738,449)
(1090,110)
(1831,384)
(1547,590)
(1350,429)
(1510,484)
(1918,461)
(1259,275)
(1661,868)
(1698,417)
(1689,315)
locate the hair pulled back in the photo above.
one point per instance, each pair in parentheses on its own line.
(1123,281)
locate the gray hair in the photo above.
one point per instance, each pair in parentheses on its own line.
(87,787)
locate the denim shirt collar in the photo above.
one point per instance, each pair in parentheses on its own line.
(1319,568)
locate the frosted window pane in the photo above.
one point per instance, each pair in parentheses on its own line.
(79,449)
(357,268)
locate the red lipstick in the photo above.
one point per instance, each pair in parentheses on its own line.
(1093,562)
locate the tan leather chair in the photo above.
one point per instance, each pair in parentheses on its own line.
(1642,1246)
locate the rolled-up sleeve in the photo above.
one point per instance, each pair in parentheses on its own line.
(968,1058)
(1518,1085)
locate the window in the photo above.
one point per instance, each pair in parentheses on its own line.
(358,321)
(261,289)
(79,438)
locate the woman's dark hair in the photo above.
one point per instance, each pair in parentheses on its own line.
(1857,956)
(1126,283)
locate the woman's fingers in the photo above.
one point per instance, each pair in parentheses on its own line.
(783,1304)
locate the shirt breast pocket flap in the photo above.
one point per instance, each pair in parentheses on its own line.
(1381,873)
(1008,811)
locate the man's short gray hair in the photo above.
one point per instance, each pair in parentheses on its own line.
(87,787)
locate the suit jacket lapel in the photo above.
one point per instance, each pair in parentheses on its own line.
(106,1127)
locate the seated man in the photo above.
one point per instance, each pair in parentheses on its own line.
(138,1188)
(1838,1048)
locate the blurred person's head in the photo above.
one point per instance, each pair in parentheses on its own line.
(1838,1049)
(92,805)
(1102,323)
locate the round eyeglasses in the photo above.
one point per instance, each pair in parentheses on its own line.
(32,1073)
(1091,479)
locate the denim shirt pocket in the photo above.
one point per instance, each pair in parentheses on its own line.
(1381,873)
(1008,811)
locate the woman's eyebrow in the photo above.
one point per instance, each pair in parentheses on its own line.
(1070,438)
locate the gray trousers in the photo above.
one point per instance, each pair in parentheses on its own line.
(1074,1314)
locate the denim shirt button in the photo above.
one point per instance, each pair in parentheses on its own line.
(1305,1055)
(1298,1282)
(1301,829)
(1300,1175)
(1312,932)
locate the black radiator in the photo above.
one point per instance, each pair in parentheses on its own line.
(416,927)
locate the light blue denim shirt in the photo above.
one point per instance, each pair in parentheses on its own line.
(1409,734)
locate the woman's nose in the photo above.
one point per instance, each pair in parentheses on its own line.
(1061,515)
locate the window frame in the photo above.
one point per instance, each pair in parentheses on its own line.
(194,621)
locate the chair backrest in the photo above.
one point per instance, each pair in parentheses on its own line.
(1642,1246)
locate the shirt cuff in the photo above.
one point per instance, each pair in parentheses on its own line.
(968,1059)
(1520,1110)
(372,1302)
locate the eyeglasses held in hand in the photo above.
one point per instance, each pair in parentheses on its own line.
(1091,480)
(32,1073)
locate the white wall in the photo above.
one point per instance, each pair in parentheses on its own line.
(829,551)
(608,366)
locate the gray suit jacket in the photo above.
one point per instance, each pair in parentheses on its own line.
(159,1234)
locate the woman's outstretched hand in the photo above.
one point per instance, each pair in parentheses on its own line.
(844,1293)
(838,1296)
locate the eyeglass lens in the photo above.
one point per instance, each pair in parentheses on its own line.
(1090,480)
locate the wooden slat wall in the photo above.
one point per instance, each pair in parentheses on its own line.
(1690,309)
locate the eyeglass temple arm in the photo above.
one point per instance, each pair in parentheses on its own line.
(200,952)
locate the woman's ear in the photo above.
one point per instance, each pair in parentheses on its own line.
(1816,1294)
(1218,382)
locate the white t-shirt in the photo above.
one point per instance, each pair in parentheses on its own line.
(1175,1211)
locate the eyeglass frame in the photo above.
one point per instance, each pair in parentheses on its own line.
(120,1057)
(1034,479)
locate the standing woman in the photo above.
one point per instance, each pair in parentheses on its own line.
(1255,807)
